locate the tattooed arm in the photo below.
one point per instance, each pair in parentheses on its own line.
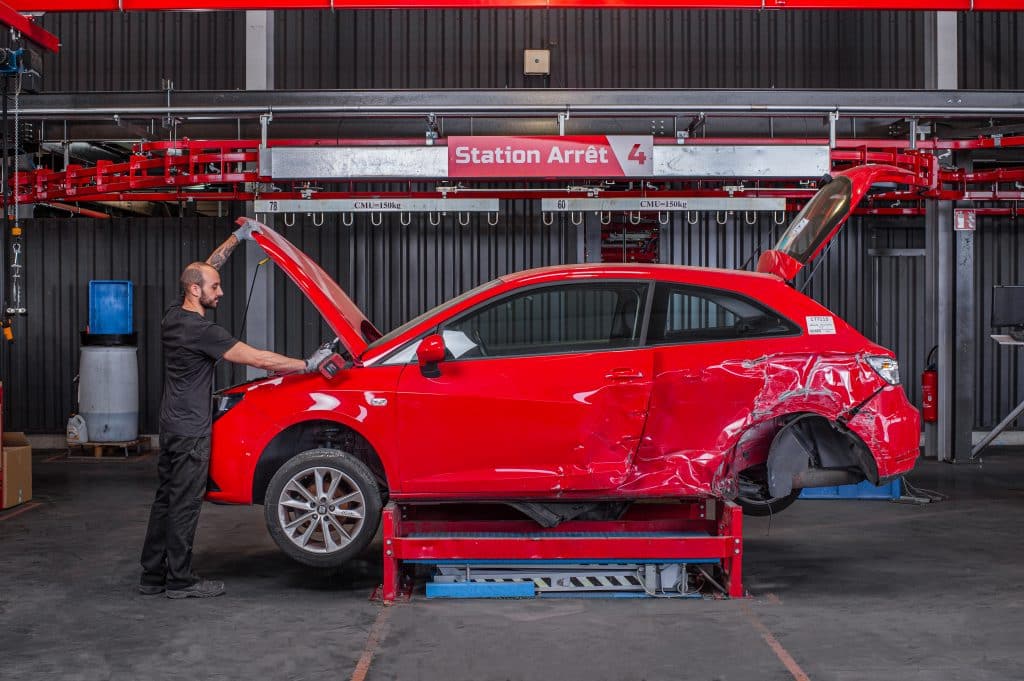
(221,254)
(243,233)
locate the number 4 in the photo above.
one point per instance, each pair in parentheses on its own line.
(636,155)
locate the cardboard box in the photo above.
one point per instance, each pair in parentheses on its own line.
(15,470)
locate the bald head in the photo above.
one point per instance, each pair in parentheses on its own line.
(194,274)
(207,279)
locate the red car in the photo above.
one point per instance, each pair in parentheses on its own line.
(571,390)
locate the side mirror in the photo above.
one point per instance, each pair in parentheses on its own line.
(429,354)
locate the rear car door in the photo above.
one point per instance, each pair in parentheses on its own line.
(545,390)
(709,348)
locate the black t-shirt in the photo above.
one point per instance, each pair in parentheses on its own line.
(192,346)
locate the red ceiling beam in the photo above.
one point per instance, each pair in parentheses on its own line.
(27,27)
(149,5)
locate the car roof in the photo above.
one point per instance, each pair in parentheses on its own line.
(695,275)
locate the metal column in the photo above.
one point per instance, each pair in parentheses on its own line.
(964,339)
(259,75)
(940,47)
(942,308)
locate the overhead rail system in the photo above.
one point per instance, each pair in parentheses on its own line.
(464,151)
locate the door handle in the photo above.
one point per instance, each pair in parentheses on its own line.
(624,374)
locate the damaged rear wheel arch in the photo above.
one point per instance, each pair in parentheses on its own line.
(318,434)
(811,450)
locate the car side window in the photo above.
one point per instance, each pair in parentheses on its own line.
(681,314)
(576,317)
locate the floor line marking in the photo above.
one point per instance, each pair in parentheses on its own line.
(377,633)
(27,507)
(780,652)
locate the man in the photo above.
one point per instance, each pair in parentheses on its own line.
(192,345)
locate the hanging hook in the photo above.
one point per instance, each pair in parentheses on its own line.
(464,221)
(724,217)
(547,218)
(405,218)
(750,217)
(663,218)
(321,222)
(696,217)
(348,218)
(606,218)
(634,217)
(285,218)
(576,218)
(494,222)
(776,217)
(430,218)
(377,219)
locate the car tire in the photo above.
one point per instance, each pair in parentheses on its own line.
(763,507)
(760,504)
(323,507)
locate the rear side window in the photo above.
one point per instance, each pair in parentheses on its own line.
(683,314)
(554,319)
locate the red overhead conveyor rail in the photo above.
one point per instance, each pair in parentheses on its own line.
(152,5)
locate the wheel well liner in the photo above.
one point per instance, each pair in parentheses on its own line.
(307,435)
(811,441)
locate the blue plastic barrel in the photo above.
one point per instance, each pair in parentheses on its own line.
(110,307)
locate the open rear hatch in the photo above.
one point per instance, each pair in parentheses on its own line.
(820,220)
(354,330)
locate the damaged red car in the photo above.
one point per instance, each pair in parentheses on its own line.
(571,390)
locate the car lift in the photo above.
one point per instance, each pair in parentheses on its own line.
(493,553)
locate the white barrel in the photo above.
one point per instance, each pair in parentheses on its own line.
(108,392)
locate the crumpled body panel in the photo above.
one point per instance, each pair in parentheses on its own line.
(699,416)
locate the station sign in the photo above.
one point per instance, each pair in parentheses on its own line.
(584,156)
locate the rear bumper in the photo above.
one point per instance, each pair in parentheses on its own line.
(891,428)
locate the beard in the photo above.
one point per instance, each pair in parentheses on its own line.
(208,302)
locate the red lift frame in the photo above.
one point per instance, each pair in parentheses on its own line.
(649,532)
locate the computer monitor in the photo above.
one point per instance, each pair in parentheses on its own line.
(1007,306)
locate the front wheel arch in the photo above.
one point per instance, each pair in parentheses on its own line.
(316,434)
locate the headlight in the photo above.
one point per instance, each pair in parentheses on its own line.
(222,403)
(887,368)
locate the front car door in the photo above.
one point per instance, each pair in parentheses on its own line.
(544,392)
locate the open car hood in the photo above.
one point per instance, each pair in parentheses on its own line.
(354,330)
(820,220)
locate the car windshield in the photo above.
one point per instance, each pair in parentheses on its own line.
(388,337)
(816,221)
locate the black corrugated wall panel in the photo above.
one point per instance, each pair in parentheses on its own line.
(991,50)
(421,49)
(999,371)
(135,50)
(61,257)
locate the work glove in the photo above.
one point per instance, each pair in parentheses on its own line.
(314,361)
(246,227)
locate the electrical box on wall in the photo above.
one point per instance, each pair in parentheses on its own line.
(537,62)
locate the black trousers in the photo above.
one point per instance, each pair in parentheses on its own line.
(183,469)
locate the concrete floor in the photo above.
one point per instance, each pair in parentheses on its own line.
(841,591)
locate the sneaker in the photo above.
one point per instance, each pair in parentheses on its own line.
(204,588)
(151,589)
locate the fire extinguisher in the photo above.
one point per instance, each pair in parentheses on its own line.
(930,389)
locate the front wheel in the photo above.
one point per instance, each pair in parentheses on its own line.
(323,507)
(754,498)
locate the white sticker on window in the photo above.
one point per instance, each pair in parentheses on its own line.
(821,326)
